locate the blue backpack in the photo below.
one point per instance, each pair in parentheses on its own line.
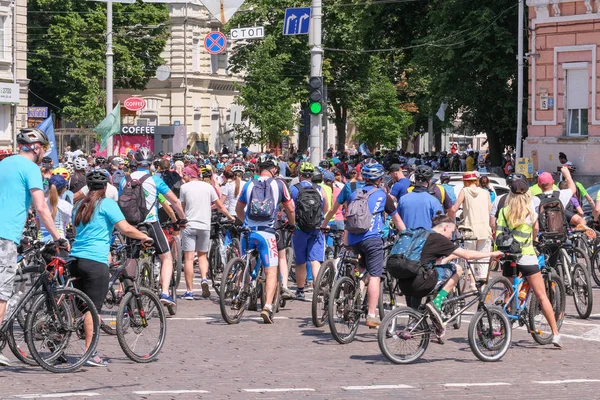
(404,261)
(261,206)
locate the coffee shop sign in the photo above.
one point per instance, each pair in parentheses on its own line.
(147,130)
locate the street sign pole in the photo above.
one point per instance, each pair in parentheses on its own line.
(109,70)
(316,65)
(520,80)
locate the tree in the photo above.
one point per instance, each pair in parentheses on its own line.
(470,54)
(379,118)
(66,59)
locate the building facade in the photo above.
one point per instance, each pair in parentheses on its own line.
(564,100)
(195,93)
(13,70)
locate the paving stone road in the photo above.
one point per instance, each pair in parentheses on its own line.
(204,358)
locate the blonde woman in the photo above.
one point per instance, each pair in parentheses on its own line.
(179,168)
(518,215)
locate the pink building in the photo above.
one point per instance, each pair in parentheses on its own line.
(564,98)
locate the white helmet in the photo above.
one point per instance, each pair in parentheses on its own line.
(80,164)
(118,161)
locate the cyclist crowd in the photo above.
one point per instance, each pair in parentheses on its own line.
(79,203)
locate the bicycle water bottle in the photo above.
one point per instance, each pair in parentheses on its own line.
(13,302)
(157,266)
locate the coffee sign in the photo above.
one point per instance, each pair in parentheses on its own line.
(134,103)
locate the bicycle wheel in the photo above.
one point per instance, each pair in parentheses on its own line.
(55,331)
(497,292)
(403,335)
(289,253)
(387,294)
(234,249)
(490,334)
(110,307)
(145,273)
(16,341)
(538,325)
(582,290)
(177,260)
(141,326)
(595,266)
(233,297)
(449,308)
(173,291)
(321,293)
(344,310)
(578,255)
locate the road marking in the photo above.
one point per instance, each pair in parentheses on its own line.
(567,381)
(376,387)
(280,390)
(170,391)
(260,319)
(590,339)
(477,384)
(57,395)
(190,318)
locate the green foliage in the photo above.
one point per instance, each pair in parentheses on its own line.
(67,46)
(379,119)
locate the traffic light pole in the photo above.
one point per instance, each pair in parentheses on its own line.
(316,64)
(109,69)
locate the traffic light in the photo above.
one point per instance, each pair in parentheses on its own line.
(315,93)
(304,123)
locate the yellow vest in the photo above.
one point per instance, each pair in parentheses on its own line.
(522,233)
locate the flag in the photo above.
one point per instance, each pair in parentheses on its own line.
(441,113)
(109,125)
(363,149)
(47,126)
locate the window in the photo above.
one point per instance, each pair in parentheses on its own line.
(5,121)
(2,38)
(196,124)
(577,102)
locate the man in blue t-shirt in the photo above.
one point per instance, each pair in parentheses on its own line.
(308,246)
(153,186)
(20,185)
(400,183)
(418,207)
(369,245)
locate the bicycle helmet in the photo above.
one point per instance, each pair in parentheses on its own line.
(80,164)
(178,157)
(161,154)
(118,161)
(47,161)
(515,177)
(96,180)
(372,171)
(423,173)
(205,171)
(69,166)
(63,172)
(144,156)
(306,168)
(325,164)
(32,135)
(100,160)
(238,167)
(267,161)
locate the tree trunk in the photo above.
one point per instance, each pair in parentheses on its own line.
(340,124)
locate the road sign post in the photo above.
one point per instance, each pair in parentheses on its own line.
(316,65)
(296,21)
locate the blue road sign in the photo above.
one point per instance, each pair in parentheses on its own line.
(296,21)
(215,42)
(176,123)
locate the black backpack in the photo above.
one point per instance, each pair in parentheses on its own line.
(552,216)
(173,181)
(132,200)
(309,211)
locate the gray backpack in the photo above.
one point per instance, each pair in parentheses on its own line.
(358,216)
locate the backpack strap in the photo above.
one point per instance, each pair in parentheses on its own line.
(556,194)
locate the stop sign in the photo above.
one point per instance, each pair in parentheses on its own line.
(134,103)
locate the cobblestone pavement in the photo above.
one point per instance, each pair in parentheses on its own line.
(206,358)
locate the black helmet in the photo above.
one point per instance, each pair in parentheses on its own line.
(325,164)
(515,177)
(267,161)
(161,154)
(100,160)
(32,135)
(47,160)
(178,157)
(424,173)
(144,156)
(317,178)
(96,180)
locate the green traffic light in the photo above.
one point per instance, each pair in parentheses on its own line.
(316,108)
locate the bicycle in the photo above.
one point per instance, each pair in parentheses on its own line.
(54,325)
(171,230)
(244,283)
(404,333)
(136,306)
(525,309)
(224,246)
(566,260)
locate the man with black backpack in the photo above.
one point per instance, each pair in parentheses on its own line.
(308,240)
(138,198)
(258,206)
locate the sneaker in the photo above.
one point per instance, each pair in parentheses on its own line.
(308,287)
(436,317)
(166,300)
(96,361)
(373,322)
(287,294)
(267,316)
(557,341)
(4,362)
(205,289)
(188,296)
(300,295)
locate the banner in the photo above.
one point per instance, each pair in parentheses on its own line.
(363,149)
(111,125)
(47,126)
